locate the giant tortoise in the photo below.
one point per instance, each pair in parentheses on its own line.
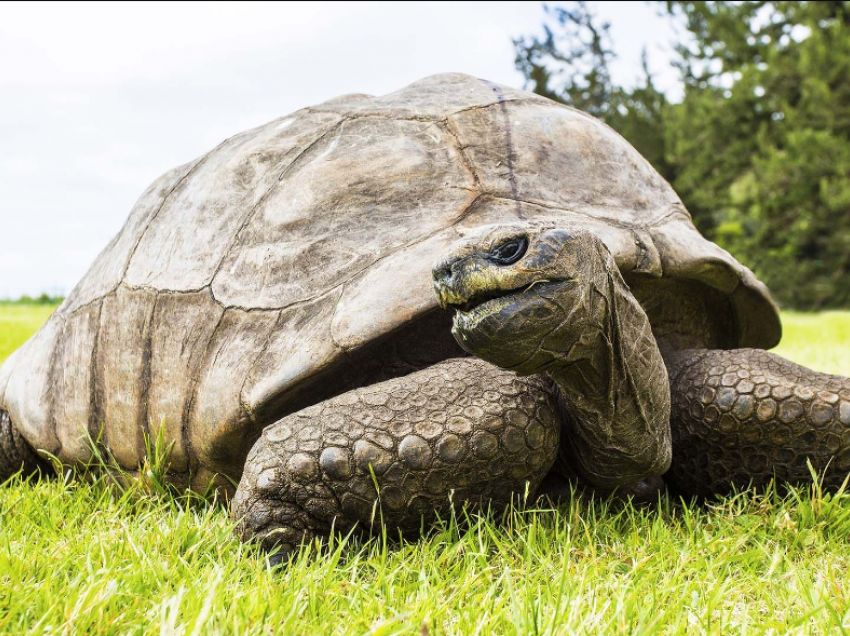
(279,293)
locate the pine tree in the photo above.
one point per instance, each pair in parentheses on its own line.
(759,146)
(762,139)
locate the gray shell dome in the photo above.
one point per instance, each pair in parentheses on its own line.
(241,275)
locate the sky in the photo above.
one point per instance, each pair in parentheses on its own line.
(98,99)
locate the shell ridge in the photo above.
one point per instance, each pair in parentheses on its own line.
(648,225)
(509,147)
(464,159)
(437,119)
(188,410)
(94,425)
(53,373)
(261,352)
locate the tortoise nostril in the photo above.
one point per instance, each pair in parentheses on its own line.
(443,274)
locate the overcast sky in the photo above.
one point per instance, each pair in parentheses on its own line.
(97,100)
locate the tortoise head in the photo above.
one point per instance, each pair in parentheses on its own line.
(523,295)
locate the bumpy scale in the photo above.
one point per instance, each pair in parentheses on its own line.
(748,416)
(462,430)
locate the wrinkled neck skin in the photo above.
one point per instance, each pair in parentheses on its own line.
(613,384)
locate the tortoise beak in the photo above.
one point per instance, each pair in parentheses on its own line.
(446,297)
(442,278)
(447,283)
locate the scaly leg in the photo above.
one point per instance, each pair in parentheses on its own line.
(747,415)
(462,431)
(15,453)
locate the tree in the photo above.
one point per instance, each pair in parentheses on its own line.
(759,146)
(572,65)
(767,90)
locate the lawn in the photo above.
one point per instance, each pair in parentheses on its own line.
(86,558)
(18,321)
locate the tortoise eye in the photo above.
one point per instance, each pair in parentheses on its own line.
(509,252)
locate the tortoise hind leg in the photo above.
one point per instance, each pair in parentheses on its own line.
(748,416)
(16,455)
(462,431)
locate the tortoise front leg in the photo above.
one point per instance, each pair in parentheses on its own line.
(16,455)
(462,431)
(747,415)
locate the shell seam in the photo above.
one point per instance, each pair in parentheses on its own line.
(264,197)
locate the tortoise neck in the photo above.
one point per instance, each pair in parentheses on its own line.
(614,390)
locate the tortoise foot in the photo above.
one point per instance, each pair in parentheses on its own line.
(395,453)
(746,416)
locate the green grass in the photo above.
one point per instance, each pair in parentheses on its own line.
(85,557)
(18,321)
(820,341)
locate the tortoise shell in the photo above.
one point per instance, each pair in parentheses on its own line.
(265,275)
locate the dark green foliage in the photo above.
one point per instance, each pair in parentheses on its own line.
(43,299)
(759,146)
(571,66)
